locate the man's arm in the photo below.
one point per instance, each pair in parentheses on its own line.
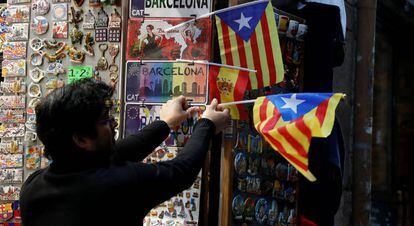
(161,181)
(136,147)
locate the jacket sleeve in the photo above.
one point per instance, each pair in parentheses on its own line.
(136,147)
(161,181)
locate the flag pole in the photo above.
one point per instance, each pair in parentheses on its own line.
(215,12)
(252,101)
(238,102)
(216,64)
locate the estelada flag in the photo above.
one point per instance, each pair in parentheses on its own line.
(228,85)
(248,37)
(289,121)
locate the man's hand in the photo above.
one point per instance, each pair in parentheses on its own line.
(175,111)
(217,114)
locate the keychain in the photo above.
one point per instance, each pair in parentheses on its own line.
(113,68)
(103,62)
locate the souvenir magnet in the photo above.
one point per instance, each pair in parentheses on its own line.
(75,16)
(75,55)
(53,44)
(238,207)
(53,58)
(102,20)
(261,211)
(12,130)
(55,68)
(12,116)
(255,144)
(114,35)
(16,85)
(32,157)
(302,30)
(40,25)
(78,3)
(281,171)
(241,184)
(30,137)
(89,23)
(36,75)
(40,7)
(36,44)
(89,42)
(115,20)
(60,11)
(17,14)
(253,185)
(249,206)
(254,163)
(240,163)
(34,90)
(33,103)
(283,24)
(14,50)
(11,161)
(12,68)
(101,35)
(292,29)
(53,83)
(11,176)
(12,102)
(36,59)
(76,35)
(273,213)
(102,62)
(9,192)
(11,147)
(18,32)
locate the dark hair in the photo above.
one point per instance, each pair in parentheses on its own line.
(72,109)
(150,26)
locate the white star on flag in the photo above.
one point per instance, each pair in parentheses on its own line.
(292,103)
(243,21)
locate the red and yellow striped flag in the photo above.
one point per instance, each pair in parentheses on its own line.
(228,85)
(289,121)
(248,37)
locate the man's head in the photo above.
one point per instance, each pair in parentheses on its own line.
(76,117)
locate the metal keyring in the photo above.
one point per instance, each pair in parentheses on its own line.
(113,68)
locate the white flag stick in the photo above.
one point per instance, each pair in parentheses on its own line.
(215,12)
(216,64)
(238,102)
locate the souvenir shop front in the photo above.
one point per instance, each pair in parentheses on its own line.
(150,52)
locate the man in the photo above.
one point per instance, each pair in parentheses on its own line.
(94,180)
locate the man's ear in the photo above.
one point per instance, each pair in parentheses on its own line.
(82,142)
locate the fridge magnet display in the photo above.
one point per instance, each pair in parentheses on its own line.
(89,23)
(238,207)
(261,211)
(60,11)
(11,146)
(18,32)
(60,29)
(10,176)
(13,85)
(146,39)
(40,7)
(240,164)
(170,8)
(14,50)
(40,25)
(12,130)
(36,74)
(9,192)
(17,14)
(12,68)
(157,82)
(249,206)
(32,157)
(12,102)
(12,116)
(11,161)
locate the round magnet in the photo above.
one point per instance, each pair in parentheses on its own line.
(60,11)
(36,44)
(238,207)
(240,163)
(248,209)
(40,7)
(36,59)
(40,25)
(261,211)
(254,163)
(34,90)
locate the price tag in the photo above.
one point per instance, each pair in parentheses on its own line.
(76,73)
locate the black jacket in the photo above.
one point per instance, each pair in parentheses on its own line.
(90,189)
